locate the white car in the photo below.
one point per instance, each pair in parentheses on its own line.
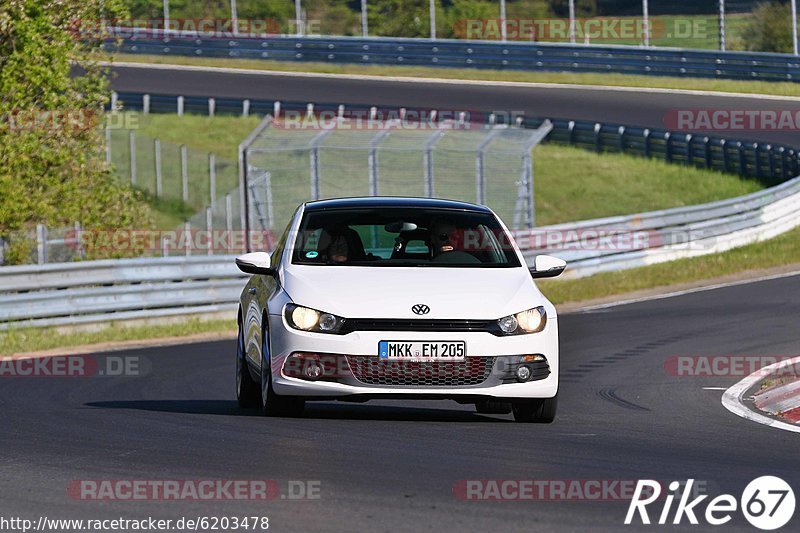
(368,298)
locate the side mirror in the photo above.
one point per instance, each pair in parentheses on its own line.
(547,266)
(255,263)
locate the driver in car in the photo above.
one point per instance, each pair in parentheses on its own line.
(444,238)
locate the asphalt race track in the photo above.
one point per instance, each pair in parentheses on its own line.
(392,466)
(639,108)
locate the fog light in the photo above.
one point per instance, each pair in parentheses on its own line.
(523,373)
(313,369)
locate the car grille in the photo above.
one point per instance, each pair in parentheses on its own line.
(389,324)
(371,370)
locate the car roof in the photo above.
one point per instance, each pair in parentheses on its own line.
(393,201)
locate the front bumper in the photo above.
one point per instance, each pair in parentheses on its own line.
(359,351)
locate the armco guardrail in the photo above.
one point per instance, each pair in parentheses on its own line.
(108,290)
(116,290)
(769,162)
(618,243)
(471,54)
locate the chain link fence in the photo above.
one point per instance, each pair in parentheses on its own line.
(488,164)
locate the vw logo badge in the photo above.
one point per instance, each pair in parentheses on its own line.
(421,309)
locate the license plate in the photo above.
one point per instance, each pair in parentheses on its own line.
(422,351)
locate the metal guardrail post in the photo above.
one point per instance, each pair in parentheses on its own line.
(246,107)
(709,161)
(723,145)
(180,106)
(757,159)
(132,149)
(146,104)
(689,154)
(646,135)
(668,146)
(621,133)
(184,174)
(742,159)
(212,106)
(598,137)
(157,162)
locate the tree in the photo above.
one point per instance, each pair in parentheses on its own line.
(52,167)
(770,28)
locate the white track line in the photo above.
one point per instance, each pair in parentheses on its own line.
(732,398)
(444,81)
(683,292)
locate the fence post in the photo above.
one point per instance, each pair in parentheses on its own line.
(187,237)
(621,132)
(212,105)
(180,106)
(184,174)
(132,147)
(108,143)
(707,152)
(212,179)
(228,213)
(114,101)
(646,134)
(41,243)
(79,239)
(571,130)
(246,107)
(210,228)
(159,179)
(146,104)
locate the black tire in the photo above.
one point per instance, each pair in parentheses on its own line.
(271,403)
(539,411)
(493,407)
(248,391)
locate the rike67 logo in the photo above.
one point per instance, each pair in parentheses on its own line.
(767,503)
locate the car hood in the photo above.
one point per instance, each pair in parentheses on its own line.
(390,292)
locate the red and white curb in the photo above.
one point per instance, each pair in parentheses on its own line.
(781,397)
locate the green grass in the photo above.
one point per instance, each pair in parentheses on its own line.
(571,183)
(40,339)
(610,79)
(781,250)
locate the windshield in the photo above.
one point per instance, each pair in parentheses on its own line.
(403,237)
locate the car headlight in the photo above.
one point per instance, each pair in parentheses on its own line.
(307,319)
(530,321)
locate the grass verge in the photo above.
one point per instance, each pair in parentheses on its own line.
(608,79)
(26,340)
